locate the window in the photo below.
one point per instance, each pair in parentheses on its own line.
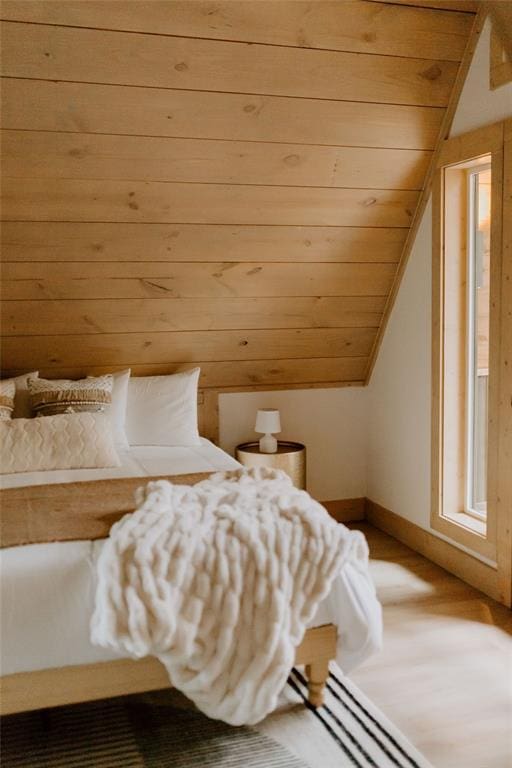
(500,66)
(467,265)
(478,283)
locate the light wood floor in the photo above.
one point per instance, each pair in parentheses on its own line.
(444,676)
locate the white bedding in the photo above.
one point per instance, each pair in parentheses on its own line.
(47,590)
(139,461)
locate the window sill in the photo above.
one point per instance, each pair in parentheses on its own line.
(468,521)
(466,530)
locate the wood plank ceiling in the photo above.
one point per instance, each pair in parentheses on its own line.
(227,184)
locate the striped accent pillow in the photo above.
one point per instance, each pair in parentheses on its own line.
(7,391)
(51,397)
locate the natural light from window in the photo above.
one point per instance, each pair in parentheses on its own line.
(478,279)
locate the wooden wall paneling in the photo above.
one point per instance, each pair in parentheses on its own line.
(149,315)
(444,131)
(235,197)
(464,6)
(208,414)
(34,154)
(365,28)
(138,201)
(95,108)
(195,280)
(192,281)
(504,405)
(95,242)
(192,346)
(56,53)
(226,375)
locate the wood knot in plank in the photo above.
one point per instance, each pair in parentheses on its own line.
(432,73)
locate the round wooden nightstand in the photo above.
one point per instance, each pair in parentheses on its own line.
(290,457)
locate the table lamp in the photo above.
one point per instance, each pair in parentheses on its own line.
(268,421)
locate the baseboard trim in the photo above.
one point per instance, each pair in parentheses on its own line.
(346,510)
(461,564)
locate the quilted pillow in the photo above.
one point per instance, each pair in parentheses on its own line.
(65,441)
(49,397)
(7,392)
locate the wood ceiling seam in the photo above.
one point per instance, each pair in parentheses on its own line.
(193,261)
(198,298)
(217,91)
(229,92)
(225,40)
(227,360)
(272,361)
(196,224)
(214,138)
(250,329)
(219,183)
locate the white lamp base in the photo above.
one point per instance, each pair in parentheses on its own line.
(268,444)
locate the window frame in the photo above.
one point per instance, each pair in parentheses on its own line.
(448,518)
(500,66)
(472,340)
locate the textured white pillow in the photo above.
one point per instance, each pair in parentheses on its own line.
(22,408)
(65,441)
(162,410)
(118,407)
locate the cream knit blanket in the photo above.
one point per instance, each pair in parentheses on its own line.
(219,581)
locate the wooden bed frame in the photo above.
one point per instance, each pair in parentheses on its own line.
(42,514)
(26,691)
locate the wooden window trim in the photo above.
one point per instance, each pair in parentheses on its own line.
(458,525)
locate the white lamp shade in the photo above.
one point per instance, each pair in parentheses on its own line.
(268,421)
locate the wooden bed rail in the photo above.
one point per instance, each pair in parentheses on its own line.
(80,511)
(26,691)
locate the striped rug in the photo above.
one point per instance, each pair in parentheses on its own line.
(162,730)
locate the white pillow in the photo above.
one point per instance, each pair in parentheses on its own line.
(65,441)
(162,410)
(118,407)
(22,408)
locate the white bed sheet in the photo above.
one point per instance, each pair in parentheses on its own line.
(139,461)
(47,590)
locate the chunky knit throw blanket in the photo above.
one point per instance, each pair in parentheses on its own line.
(219,581)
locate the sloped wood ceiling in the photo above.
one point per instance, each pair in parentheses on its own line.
(222,183)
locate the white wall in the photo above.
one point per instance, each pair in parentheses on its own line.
(331,422)
(399,394)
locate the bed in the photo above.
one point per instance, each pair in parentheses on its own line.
(57,664)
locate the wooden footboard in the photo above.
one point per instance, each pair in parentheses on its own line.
(69,685)
(81,511)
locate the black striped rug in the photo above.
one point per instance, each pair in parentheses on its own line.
(161,730)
